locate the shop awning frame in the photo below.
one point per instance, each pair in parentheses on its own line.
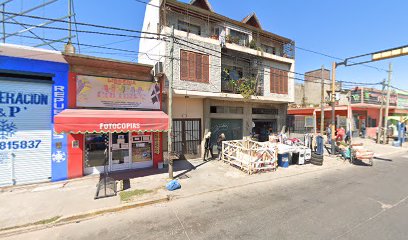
(79,121)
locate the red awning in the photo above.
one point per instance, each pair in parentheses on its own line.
(85,120)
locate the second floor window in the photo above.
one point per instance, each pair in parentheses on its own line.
(187,27)
(269,49)
(278,81)
(194,67)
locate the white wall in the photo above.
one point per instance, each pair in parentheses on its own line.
(153,48)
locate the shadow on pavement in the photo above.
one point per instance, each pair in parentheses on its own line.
(179,165)
(358,162)
(383,159)
(192,168)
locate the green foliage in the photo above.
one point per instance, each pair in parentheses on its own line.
(245,86)
(129,195)
(253,45)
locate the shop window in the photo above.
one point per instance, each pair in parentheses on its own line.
(120,148)
(95,147)
(194,67)
(278,81)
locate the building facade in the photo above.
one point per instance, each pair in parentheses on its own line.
(114,121)
(228,76)
(33,90)
(365,104)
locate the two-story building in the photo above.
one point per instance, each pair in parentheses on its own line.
(228,76)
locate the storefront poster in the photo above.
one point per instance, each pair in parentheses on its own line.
(117,93)
(402,101)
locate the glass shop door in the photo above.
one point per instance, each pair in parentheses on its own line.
(142,151)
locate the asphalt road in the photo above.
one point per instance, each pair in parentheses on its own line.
(354,202)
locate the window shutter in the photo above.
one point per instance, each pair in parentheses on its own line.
(184,65)
(285,82)
(206,68)
(191,66)
(271,79)
(281,75)
(199,68)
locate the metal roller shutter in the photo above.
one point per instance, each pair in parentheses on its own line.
(25,132)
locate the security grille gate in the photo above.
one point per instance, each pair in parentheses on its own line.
(186,136)
(25,131)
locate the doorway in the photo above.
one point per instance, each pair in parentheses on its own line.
(125,151)
(186,137)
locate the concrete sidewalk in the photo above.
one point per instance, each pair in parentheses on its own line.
(381,149)
(46,203)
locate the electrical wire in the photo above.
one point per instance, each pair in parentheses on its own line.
(83,31)
(79,23)
(135,31)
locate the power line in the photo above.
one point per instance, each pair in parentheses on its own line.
(86,31)
(135,31)
(79,23)
(147,3)
(220,52)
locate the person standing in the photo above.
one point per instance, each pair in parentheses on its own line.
(329,133)
(220,139)
(363,129)
(208,146)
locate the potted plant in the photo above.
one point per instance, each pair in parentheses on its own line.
(214,36)
(253,45)
(228,38)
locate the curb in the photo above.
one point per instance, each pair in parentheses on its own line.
(35,226)
(75,218)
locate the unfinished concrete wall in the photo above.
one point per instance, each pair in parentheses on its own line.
(312,86)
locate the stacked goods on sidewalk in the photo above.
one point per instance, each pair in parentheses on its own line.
(362,154)
(250,156)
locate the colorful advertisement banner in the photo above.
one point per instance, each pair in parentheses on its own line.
(117,93)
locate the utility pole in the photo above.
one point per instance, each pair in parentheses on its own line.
(3,7)
(170,105)
(333,100)
(322,103)
(387,104)
(380,122)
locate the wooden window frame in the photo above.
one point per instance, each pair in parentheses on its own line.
(279,81)
(194,67)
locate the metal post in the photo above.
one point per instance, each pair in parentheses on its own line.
(322,104)
(349,117)
(333,99)
(387,104)
(380,119)
(170,105)
(70,20)
(3,7)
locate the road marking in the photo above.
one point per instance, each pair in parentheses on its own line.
(185,231)
(384,208)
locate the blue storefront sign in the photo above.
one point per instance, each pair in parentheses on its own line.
(58,101)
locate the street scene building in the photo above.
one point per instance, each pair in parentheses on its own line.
(228,76)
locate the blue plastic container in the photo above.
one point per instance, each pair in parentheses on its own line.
(283,160)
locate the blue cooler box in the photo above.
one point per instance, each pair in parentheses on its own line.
(283,160)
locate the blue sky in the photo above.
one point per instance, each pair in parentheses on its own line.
(338,28)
